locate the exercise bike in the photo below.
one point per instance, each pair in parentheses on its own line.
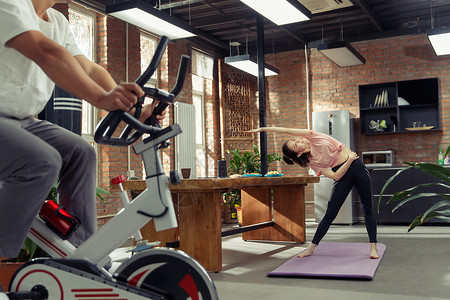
(157,273)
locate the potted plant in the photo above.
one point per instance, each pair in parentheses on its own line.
(244,163)
(440,209)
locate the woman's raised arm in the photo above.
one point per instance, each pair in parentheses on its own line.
(290,131)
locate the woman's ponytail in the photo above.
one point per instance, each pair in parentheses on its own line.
(288,160)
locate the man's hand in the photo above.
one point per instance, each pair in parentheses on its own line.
(124,96)
(147,111)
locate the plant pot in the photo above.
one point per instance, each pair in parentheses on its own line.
(7,270)
(186,173)
(228,214)
(239,214)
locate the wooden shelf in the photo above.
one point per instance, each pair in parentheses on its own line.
(419,128)
(422,96)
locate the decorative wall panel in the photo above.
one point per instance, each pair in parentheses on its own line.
(238,94)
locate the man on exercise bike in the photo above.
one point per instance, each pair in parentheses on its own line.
(38,50)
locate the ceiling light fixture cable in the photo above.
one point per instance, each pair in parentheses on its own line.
(431,17)
(246,44)
(273,52)
(322,33)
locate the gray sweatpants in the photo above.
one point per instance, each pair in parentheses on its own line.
(33,155)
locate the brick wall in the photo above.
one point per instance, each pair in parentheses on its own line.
(330,88)
(393,59)
(335,88)
(113,36)
(112,53)
(113,161)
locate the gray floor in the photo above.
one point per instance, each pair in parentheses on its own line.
(416,265)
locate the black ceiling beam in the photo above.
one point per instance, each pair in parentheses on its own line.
(200,34)
(205,22)
(288,30)
(366,9)
(210,39)
(178,3)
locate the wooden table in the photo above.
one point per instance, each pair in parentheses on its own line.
(198,204)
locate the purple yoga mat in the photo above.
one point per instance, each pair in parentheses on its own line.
(336,260)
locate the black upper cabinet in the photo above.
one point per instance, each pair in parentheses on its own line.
(402,106)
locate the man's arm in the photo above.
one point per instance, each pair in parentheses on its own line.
(104,79)
(96,73)
(68,73)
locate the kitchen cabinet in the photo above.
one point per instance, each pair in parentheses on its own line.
(409,211)
(405,106)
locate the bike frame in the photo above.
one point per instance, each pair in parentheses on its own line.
(155,202)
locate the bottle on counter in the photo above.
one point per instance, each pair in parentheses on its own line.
(440,157)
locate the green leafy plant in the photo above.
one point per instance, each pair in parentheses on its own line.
(439,210)
(30,251)
(248,162)
(100,192)
(232,198)
(244,163)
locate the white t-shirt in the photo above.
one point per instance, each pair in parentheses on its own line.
(24,87)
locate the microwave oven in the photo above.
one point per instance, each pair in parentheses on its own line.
(378,158)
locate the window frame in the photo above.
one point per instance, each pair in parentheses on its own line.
(201,170)
(88,108)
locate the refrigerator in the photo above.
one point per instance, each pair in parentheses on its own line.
(338,124)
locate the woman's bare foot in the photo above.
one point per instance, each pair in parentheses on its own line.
(373,251)
(308,252)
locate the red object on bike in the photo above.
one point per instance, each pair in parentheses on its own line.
(118,179)
(58,219)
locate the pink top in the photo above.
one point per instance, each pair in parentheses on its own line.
(325,151)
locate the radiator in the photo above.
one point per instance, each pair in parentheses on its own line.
(185,142)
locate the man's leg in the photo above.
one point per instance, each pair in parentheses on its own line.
(77,179)
(28,168)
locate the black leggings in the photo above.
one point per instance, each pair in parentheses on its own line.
(356,176)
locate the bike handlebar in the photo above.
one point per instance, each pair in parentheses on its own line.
(154,63)
(108,125)
(182,70)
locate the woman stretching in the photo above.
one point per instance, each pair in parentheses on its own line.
(331,158)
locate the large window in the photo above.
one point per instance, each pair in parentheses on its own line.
(82,24)
(148,46)
(202,73)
